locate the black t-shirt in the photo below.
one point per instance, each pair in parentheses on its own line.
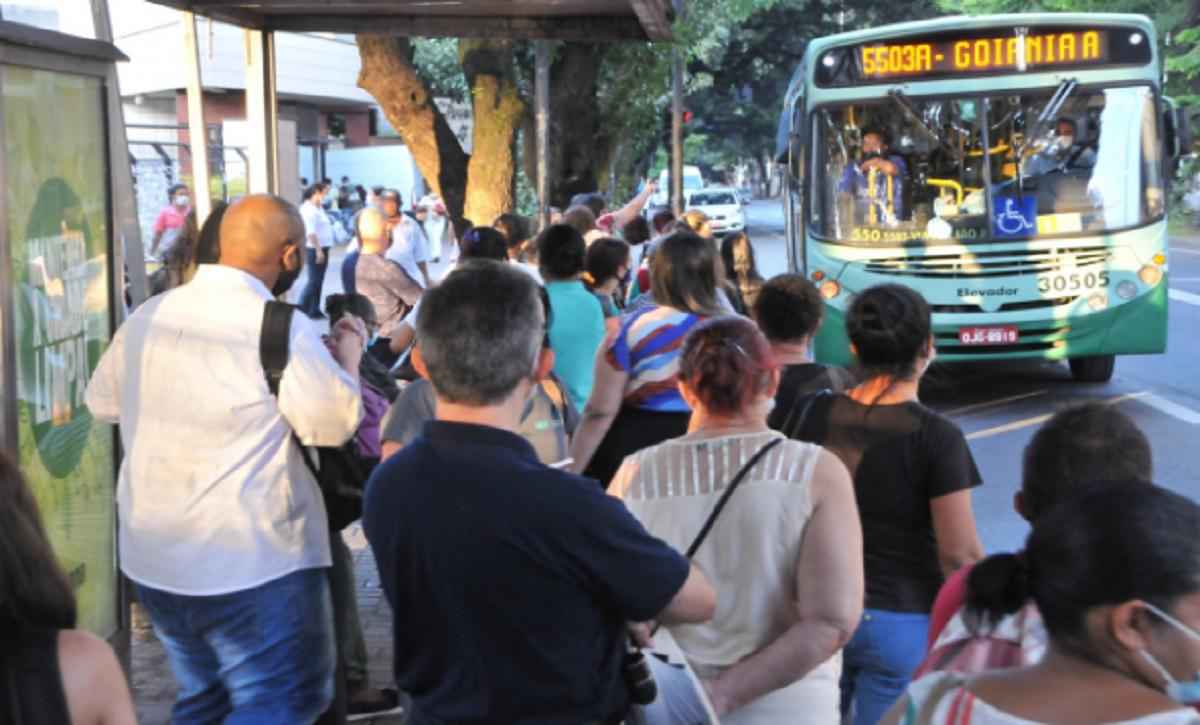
(796,383)
(900,456)
(510,582)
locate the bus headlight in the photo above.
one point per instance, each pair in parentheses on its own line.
(1127,290)
(830,289)
(1150,275)
(1098,301)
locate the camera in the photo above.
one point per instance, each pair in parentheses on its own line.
(639,678)
(868,155)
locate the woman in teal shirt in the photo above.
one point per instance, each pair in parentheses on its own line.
(577,322)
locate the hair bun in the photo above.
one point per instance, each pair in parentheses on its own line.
(996,587)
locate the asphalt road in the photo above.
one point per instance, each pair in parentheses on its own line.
(1000,405)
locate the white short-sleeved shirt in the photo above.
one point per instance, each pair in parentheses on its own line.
(213,495)
(316,221)
(409,248)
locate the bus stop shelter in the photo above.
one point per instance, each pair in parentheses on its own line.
(538,20)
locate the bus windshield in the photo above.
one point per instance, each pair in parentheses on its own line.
(914,170)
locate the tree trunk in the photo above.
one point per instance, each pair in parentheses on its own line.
(578,146)
(498,111)
(390,77)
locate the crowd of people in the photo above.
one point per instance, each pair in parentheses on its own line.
(570,440)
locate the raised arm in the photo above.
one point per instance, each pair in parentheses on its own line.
(829,596)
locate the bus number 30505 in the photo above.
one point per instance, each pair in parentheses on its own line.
(1073,282)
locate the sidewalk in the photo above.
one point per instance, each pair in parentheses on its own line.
(154,686)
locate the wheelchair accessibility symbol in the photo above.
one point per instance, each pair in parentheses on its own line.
(1015,216)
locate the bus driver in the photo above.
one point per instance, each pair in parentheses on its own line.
(877,181)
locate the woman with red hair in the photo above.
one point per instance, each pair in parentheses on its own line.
(785,554)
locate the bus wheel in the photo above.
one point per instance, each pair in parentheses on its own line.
(1096,369)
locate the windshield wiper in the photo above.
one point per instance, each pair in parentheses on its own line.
(905,104)
(1049,113)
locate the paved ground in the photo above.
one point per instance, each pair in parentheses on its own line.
(1000,405)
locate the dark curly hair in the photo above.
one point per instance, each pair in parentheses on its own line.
(788,308)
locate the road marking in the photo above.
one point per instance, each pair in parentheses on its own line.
(1185,250)
(1186,297)
(1039,419)
(1171,408)
(992,403)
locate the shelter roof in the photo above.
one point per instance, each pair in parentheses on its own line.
(575,20)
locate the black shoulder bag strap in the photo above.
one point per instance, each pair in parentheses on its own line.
(274,348)
(733,484)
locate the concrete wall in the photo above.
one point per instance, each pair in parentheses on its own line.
(390,166)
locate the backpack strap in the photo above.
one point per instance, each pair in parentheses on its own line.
(274,348)
(922,713)
(274,342)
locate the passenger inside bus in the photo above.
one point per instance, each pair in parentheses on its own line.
(877,182)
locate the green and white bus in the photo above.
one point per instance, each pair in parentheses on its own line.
(1021,187)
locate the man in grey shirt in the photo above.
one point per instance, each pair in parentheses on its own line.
(392,292)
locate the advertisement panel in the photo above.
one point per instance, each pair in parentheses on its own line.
(58,229)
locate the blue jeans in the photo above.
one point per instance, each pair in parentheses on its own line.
(263,655)
(310,297)
(879,661)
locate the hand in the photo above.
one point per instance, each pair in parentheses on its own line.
(720,701)
(652,186)
(320,255)
(349,340)
(640,633)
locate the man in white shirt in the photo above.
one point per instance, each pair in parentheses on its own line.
(410,248)
(222,527)
(318,236)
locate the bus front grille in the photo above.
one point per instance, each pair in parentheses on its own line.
(967,308)
(989,264)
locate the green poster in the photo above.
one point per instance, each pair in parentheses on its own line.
(57,194)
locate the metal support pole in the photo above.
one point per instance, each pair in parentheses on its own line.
(197,133)
(262,112)
(677,132)
(542,101)
(129,254)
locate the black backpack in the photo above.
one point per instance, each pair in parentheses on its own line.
(342,472)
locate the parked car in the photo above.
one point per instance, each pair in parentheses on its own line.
(723,207)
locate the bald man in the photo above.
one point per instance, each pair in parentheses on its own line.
(391,290)
(222,527)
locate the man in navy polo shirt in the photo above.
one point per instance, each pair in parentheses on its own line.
(512,583)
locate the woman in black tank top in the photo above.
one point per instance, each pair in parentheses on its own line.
(50,673)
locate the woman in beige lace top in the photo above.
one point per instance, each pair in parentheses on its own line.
(785,555)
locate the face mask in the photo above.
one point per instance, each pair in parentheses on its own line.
(1065,142)
(1185,693)
(182,201)
(287,277)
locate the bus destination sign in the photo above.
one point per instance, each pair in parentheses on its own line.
(984,54)
(998,51)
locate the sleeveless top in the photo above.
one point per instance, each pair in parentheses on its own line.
(749,556)
(31,687)
(953,704)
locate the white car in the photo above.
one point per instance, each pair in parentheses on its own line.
(721,204)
